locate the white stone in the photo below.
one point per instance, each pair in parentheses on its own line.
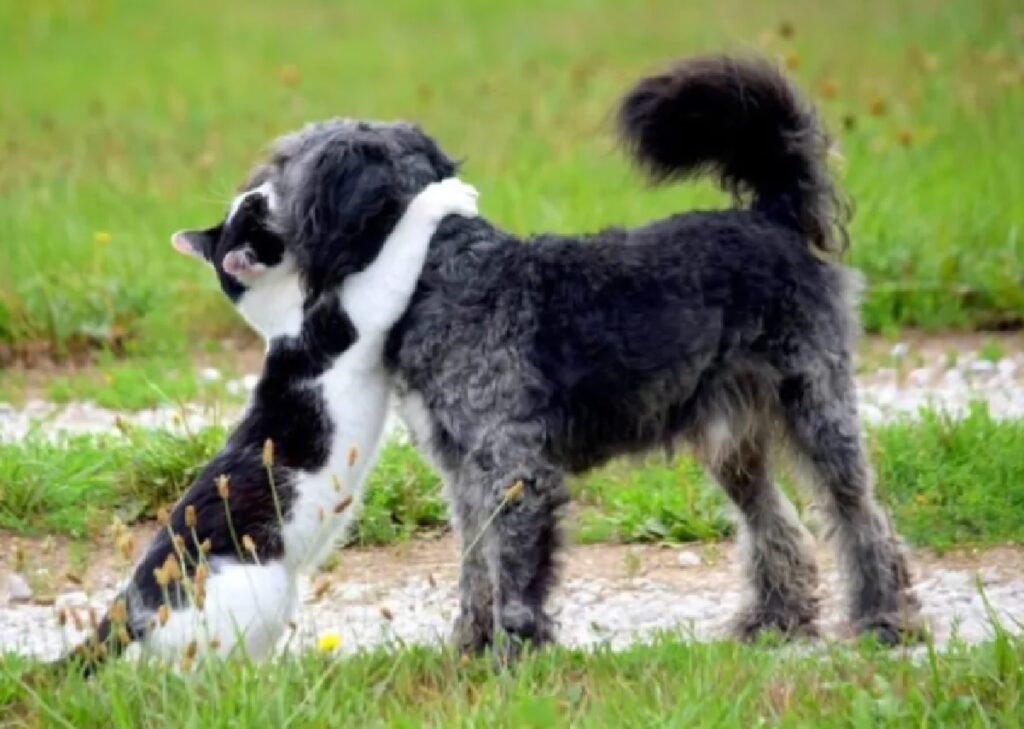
(954,379)
(18,589)
(688,558)
(983,366)
(899,350)
(919,377)
(209,374)
(78,598)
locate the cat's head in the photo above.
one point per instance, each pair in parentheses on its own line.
(255,269)
(315,211)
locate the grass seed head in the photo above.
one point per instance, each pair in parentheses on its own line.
(214,643)
(161,576)
(385,612)
(122,636)
(179,543)
(126,546)
(353,456)
(248,544)
(515,491)
(223,490)
(205,546)
(118,611)
(76,619)
(163,614)
(336,483)
(343,504)
(190,649)
(172,567)
(268,453)
(62,617)
(320,587)
(163,516)
(828,89)
(190,516)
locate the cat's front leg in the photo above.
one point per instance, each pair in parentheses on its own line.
(376,297)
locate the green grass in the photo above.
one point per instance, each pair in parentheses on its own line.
(947,482)
(669,683)
(123,121)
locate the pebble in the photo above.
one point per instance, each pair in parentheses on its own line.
(688,558)
(18,589)
(209,374)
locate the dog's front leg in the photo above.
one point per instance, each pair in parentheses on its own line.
(515,496)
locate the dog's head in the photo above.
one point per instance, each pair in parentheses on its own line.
(319,208)
(342,185)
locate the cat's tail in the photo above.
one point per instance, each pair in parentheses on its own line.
(743,121)
(109,640)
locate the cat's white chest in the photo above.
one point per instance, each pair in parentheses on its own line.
(354,395)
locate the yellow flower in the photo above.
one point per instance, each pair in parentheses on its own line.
(101,237)
(328,642)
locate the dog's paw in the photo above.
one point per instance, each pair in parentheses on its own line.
(451,196)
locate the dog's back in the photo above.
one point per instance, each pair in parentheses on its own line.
(628,339)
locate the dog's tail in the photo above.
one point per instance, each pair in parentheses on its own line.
(742,120)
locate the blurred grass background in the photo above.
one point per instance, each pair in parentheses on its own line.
(123,121)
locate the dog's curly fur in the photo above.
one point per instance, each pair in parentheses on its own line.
(731,330)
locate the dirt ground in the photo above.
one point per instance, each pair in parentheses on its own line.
(407,593)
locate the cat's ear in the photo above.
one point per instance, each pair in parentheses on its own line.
(242,263)
(198,243)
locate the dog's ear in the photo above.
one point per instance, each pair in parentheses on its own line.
(198,243)
(424,160)
(347,205)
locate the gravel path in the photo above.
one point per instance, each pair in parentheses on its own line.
(900,380)
(609,593)
(407,594)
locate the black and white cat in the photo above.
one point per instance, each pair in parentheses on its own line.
(222,573)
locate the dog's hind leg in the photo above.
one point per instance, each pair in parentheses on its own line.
(775,547)
(825,430)
(517,497)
